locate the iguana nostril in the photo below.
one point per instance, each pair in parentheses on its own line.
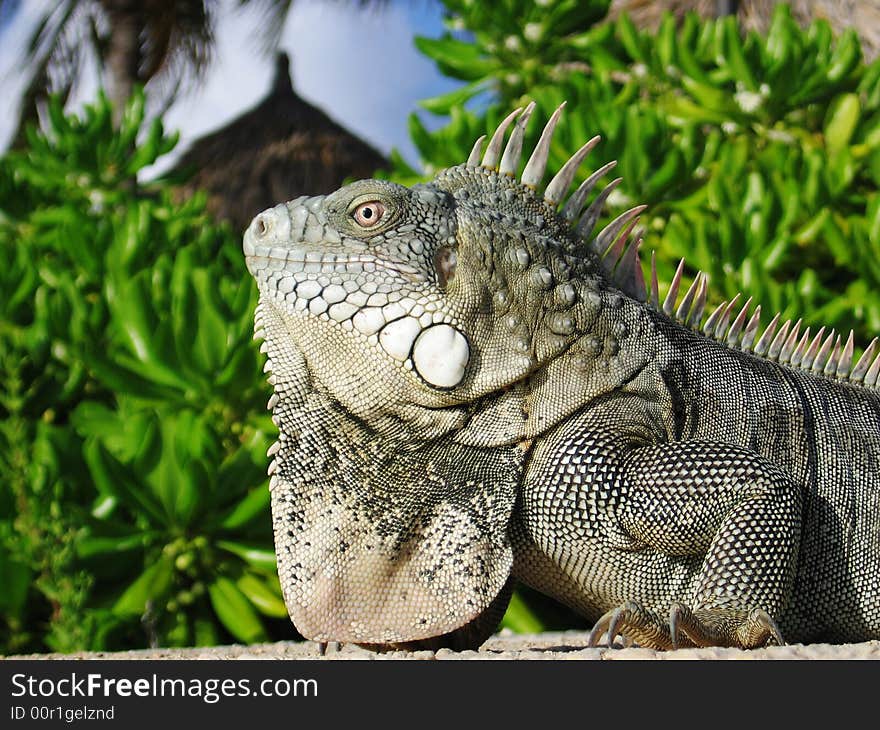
(261,226)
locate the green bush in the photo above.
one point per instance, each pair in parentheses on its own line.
(133,430)
(758,155)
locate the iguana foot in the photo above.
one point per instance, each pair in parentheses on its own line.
(743,628)
(686,627)
(644,627)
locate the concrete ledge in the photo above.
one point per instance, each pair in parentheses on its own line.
(564,645)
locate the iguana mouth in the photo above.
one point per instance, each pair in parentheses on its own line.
(294,260)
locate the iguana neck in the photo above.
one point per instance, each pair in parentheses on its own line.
(385,544)
(616,353)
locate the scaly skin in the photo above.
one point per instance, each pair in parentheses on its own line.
(467,394)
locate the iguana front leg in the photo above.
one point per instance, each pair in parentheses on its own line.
(681,543)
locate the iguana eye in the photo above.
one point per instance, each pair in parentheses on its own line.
(369,214)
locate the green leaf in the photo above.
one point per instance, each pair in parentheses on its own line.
(457,58)
(445,103)
(630,38)
(666,42)
(132,305)
(680,107)
(841,121)
(836,241)
(711,98)
(665,176)
(264,593)
(242,367)
(421,137)
(122,379)
(112,477)
(846,56)
(256,555)
(154,584)
(55,108)
(205,632)
(235,611)
(255,503)
(840,172)
(91,546)
(810,231)
(172,483)
(209,344)
(873,219)
(16,579)
(519,618)
(733,51)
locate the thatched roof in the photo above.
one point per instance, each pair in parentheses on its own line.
(282,148)
(862,15)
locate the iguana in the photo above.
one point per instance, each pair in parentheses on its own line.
(472,388)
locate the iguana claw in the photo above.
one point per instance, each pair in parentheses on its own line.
(334,646)
(743,628)
(642,626)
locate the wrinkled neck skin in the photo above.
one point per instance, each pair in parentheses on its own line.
(393,533)
(620,353)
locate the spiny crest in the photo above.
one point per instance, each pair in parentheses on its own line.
(617,246)
(819,354)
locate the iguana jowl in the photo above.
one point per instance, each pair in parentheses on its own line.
(471,388)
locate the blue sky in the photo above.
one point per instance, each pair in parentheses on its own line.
(360,67)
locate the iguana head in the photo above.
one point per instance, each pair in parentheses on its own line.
(408,302)
(413,336)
